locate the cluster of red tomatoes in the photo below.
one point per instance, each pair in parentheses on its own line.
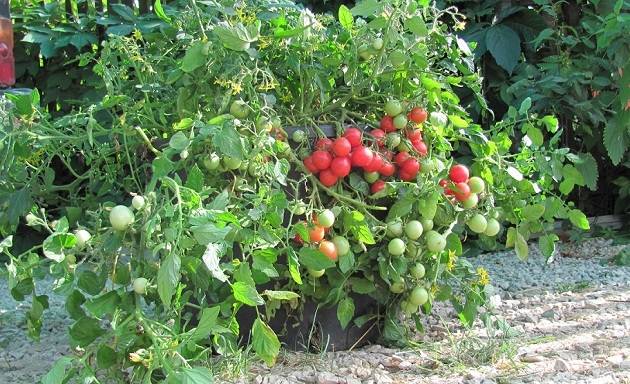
(463,187)
(334,159)
(319,226)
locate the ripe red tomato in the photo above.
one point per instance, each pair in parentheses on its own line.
(308,163)
(414,135)
(420,147)
(410,166)
(417,115)
(387,154)
(406,176)
(321,159)
(449,192)
(361,156)
(379,136)
(401,157)
(323,144)
(354,136)
(387,124)
(376,163)
(377,186)
(329,249)
(328,178)
(316,233)
(341,147)
(443,183)
(387,169)
(462,191)
(458,173)
(341,166)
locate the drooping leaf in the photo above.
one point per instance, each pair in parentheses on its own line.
(521,247)
(588,169)
(207,323)
(211,258)
(57,373)
(345,311)
(547,244)
(247,294)
(281,295)
(314,259)
(265,342)
(578,218)
(168,277)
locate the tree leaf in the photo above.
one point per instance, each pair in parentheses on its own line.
(504,45)
(265,342)
(578,219)
(345,311)
(168,277)
(345,18)
(247,294)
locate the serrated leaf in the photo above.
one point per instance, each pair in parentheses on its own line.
(294,266)
(207,323)
(400,208)
(265,342)
(346,262)
(247,294)
(615,140)
(578,219)
(228,141)
(587,165)
(345,311)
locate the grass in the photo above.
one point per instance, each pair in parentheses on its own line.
(579,286)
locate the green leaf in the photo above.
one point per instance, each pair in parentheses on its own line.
(587,165)
(168,277)
(211,258)
(345,311)
(345,18)
(6,243)
(281,295)
(401,207)
(504,45)
(57,373)
(194,179)
(237,37)
(615,140)
(346,262)
(159,11)
(247,294)
(207,323)
(533,212)
(521,248)
(90,282)
(578,219)
(547,244)
(74,301)
(265,342)
(55,245)
(104,304)
(85,331)
(179,141)
(314,259)
(454,244)
(196,375)
(535,135)
(457,121)
(551,122)
(525,105)
(510,237)
(366,8)
(195,57)
(361,286)
(209,233)
(105,357)
(294,266)
(228,141)
(416,25)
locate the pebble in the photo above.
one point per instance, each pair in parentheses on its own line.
(561,365)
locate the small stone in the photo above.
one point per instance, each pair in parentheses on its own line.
(328,378)
(352,380)
(532,358)
(561,366)
(615,360)
(549,314)
(383,379)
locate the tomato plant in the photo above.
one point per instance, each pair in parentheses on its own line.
(234,214)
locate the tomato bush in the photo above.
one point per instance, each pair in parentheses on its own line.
(193,134)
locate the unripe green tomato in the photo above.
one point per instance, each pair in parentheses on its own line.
(476,184)
(276,123)
(121,217)
(299,208)
(342,245)
(184,154)
(413,229)
(371,177)
(418,296)
(212,161)
(316,273)
(326,218)
(393,107)
(471,201)
(263,124)
(299,136)
(427,166)
(477,223)
(140,285)
(377,43)
(427,224)
(396,247)
(408,308)
(400,121)
(239,109)
(392,140)
(303,153)
(435,241)
(438,119)
(397,287)
(138,202)
(417,271)
(412,250)
(82,236)
(493,228)
(232,163)
(403,147)
(394,229)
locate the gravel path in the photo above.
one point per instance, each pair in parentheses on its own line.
(569,322)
